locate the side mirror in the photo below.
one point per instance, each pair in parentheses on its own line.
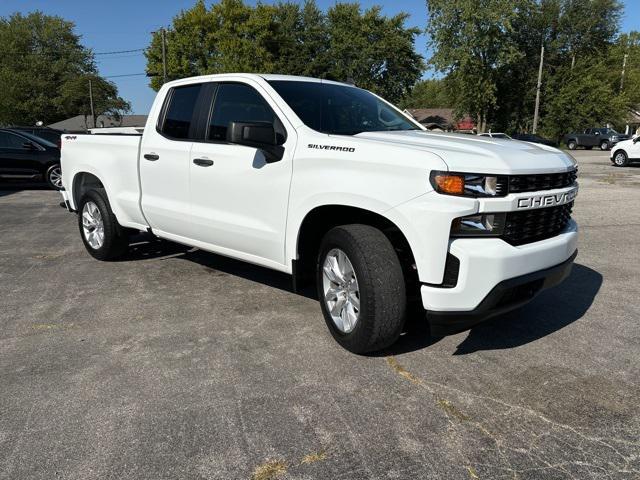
(635,140)
(261,135)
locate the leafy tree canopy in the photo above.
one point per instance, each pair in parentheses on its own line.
(430,93)
(489,51)
(44,72)
(345,43)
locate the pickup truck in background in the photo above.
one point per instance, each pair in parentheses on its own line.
(333,185)
(603,138)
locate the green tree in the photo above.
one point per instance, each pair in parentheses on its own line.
(73,97)
(431,93)
(582,97)
(472,41)
(490,51)
(346,43)
(41,60)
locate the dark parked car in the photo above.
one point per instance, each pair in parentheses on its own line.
(50,134)
(604,138)
(26,157)
(533,138)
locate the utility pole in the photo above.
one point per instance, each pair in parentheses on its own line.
(537,109)
(164,55)
(93,116)
(624,65)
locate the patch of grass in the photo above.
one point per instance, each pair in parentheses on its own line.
(269,470)
(313,457)
(50,326)
(451,410)
(400,370)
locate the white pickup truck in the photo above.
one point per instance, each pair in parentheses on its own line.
(333,185)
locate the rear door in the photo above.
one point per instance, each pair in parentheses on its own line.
(16,159)
(164,161)
(238,200)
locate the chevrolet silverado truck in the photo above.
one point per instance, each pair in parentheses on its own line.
(603,138)
(337,187)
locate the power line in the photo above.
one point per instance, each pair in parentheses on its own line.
(124,75)
(120,51)
(95,53)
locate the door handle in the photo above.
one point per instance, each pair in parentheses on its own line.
(203,162)
(151,156)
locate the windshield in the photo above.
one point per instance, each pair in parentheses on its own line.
(340,109)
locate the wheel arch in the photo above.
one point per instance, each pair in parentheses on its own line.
(82,183)
(323,218)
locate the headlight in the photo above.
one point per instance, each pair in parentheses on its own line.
(467,184)
(489,224)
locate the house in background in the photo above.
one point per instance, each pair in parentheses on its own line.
(81,123)
(442,120)
(633,122)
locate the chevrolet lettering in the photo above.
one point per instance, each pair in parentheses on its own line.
(539,201)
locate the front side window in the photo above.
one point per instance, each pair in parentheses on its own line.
(179,115)
(236,102)
(11,141)
(340,109)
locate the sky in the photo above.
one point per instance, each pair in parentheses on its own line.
(116,25)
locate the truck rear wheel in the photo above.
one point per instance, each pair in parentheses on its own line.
(572,144)
(101,234)
(361,288)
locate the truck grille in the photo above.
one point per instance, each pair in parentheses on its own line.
(534,183)
(535,225)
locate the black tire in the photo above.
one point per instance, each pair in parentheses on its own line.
(620,159)
(116,241)
(604,145)
(572,145)
(53,177)
(381,284)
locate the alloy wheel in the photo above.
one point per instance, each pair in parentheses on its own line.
(55,177)
(341,290)
(92,225)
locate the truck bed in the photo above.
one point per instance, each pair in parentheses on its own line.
(113,159)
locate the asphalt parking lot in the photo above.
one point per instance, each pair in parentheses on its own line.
(180,364)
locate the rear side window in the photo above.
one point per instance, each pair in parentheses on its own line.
(236,102)
(178,118)
(9,140)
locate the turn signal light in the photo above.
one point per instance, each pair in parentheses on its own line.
(450,184)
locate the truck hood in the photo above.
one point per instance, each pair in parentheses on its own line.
(469,153)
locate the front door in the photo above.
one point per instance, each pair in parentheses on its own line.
(164,162)
(239,200)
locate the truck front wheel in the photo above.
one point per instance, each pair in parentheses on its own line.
(572,144)
(101,234)
(361,288)
(604,145)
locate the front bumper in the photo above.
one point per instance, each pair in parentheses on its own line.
(491,265)
(506,295)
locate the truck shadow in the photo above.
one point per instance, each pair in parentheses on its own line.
(145,247)
(11,188)
(551,311)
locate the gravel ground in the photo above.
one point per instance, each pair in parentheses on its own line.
(181,364)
